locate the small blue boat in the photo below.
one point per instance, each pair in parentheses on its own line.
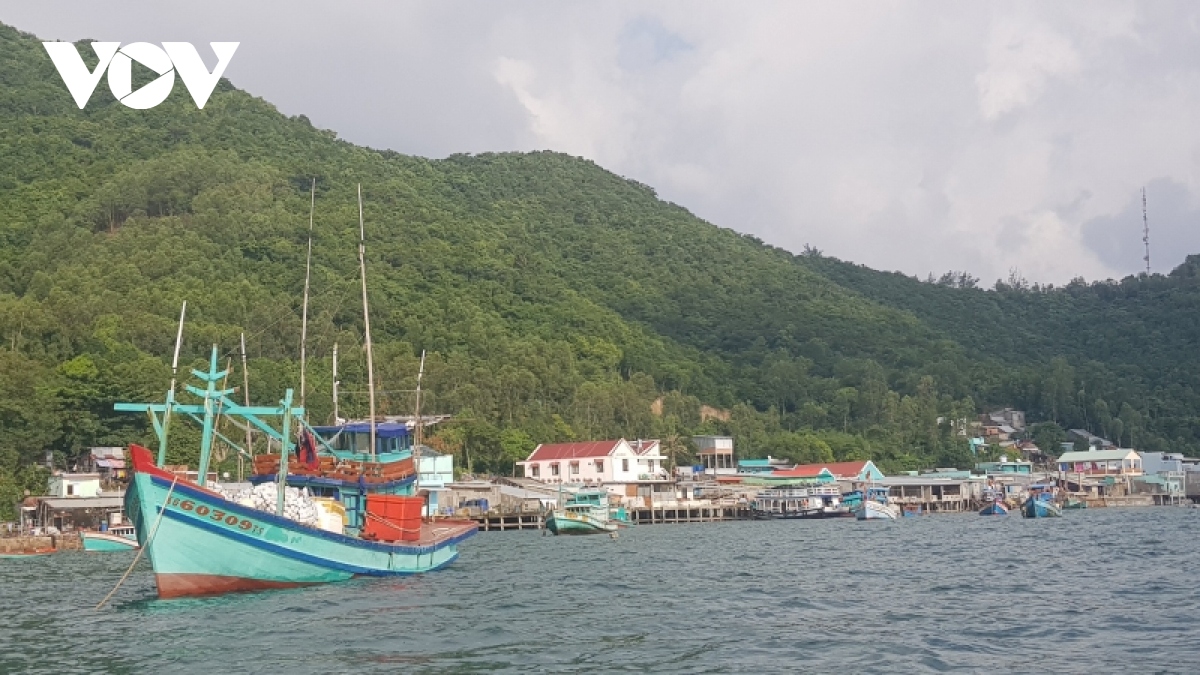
(996,508)
(1040,503)
(994,503)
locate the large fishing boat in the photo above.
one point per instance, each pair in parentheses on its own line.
(203,541)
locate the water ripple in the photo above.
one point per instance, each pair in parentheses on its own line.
(1105,590)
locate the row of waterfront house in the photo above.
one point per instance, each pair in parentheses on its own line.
(637,474)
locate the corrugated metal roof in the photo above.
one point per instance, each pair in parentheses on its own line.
(84,502)
(1096,456)
(552,451)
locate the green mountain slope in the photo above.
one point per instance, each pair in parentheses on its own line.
(556,300)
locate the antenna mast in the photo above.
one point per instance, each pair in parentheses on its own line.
(1145,232)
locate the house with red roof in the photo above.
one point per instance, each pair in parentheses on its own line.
(863,471)
(611,463)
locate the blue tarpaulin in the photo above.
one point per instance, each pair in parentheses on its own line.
(382,429)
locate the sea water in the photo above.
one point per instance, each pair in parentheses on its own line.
(1100,590)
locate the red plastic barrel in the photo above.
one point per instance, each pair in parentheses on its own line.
(393,518)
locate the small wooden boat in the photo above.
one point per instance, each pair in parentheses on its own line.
(912,510)
(31,553)
(120,538)
(1074,503)
(994,503)
(1040,503)
(875,506)
(585,512)
(996,508)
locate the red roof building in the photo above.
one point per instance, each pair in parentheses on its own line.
(618,461)
(851,471)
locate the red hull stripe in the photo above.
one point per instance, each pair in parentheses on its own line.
(184,585)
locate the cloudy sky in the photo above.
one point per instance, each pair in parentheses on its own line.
(913,136)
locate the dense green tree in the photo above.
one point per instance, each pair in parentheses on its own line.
(555,301)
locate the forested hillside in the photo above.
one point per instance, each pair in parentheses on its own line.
(556,300)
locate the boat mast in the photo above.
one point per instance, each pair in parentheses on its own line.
(246,398)
(307,275)
(420,427)
(362,264)
(162,440)
(419,435)
(335,384)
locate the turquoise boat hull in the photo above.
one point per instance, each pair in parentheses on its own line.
(204,544)
(568,523)
(104,542)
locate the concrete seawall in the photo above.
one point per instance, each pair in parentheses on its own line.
(61,542)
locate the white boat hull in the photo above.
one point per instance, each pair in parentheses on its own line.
(875,511)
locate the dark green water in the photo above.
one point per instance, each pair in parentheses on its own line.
(1105,590)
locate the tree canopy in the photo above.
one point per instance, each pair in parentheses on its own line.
(555,300)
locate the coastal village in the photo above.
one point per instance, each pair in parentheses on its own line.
(639,479)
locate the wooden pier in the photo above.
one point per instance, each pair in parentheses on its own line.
(659,515)
(510,521)
(709,513)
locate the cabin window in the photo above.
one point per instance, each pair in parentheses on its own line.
(554,469)
(574,468)
(600,466)
(70,489)
(534,471)
(624,464)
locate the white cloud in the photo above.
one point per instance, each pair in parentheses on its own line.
(919,136)
(1021,59)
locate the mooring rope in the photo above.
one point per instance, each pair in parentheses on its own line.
(153,531)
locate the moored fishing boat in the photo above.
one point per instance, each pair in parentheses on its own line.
(875,506)
(1040,508)
(1040,503)
(584,512)
(995,508)
(993,503)
(201,542)
(1074,503)
(119,538)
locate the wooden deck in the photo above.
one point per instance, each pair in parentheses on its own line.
(659,515)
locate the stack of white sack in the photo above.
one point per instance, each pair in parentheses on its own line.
(297,504)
